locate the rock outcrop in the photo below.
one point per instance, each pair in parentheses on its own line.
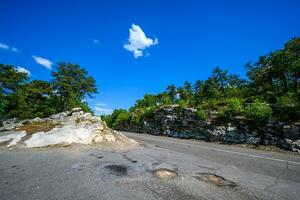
(61,129)
(184,123)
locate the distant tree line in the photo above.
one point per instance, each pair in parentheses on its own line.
(22,98)
(271,91)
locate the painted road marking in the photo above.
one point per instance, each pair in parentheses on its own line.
(222,150)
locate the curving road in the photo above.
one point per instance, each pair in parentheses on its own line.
(205,171)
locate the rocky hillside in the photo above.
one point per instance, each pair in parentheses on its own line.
(61,129)
(174,121)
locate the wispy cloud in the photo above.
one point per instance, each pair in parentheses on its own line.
(23,70)
(102,111)
(8,47)
(43,61)
(101,104)
(138,41)
(95,41)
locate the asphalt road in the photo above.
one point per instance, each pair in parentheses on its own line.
(90,172)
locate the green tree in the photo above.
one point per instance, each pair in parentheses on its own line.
(198,91)
(10,81)
(33,99)
(72,84)
(221,77)
(172,92)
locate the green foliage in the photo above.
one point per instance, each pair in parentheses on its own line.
(23,99)
(182,105)
(111,119)
(171,91)
(72,84)
(10,79)
(233,108)
(287,107)
(123,117)
(272,81)
(210,104)
(258,113)
(201,113)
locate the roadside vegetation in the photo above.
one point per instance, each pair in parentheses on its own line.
(271,91)
(25,99)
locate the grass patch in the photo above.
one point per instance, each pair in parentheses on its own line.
(36,127)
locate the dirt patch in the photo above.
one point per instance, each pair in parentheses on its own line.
(36,127)
(215,179)
(118,170)
(165,173)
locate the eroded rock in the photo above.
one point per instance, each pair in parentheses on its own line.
(63,129)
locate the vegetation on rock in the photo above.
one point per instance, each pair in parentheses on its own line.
(271,91)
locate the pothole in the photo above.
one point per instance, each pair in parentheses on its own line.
(118,170)
(165,173)
(214,179)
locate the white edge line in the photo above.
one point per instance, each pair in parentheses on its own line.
(227,151)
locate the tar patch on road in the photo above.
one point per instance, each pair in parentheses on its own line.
(118,170)
(215,179)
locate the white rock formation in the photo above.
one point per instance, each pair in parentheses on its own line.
(71,127)
(13,137)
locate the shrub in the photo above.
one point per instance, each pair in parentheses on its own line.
(137,115)
(287,107)
(149,112)
(234,107)
(201,113)
(211,104)
(123,117)
(182,105)
(258,113)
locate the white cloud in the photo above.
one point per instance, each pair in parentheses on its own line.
(101,104)
(23,70)
(43,61)
(102,111)
(7,47)
(138,41)
(95,41)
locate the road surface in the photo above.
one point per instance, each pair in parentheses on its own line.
(204,171)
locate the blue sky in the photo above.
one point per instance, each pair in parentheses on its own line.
(184,40)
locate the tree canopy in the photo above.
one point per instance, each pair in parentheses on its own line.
(22,98)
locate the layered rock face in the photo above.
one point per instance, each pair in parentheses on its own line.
(61,129)
(184,123)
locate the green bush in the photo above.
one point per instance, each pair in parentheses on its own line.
(149,112)
(123,117)
(182,105)
(210,104)
(287,107)
(201,113)
(233,107)
(258,113)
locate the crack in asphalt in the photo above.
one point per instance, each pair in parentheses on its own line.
(277,177)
